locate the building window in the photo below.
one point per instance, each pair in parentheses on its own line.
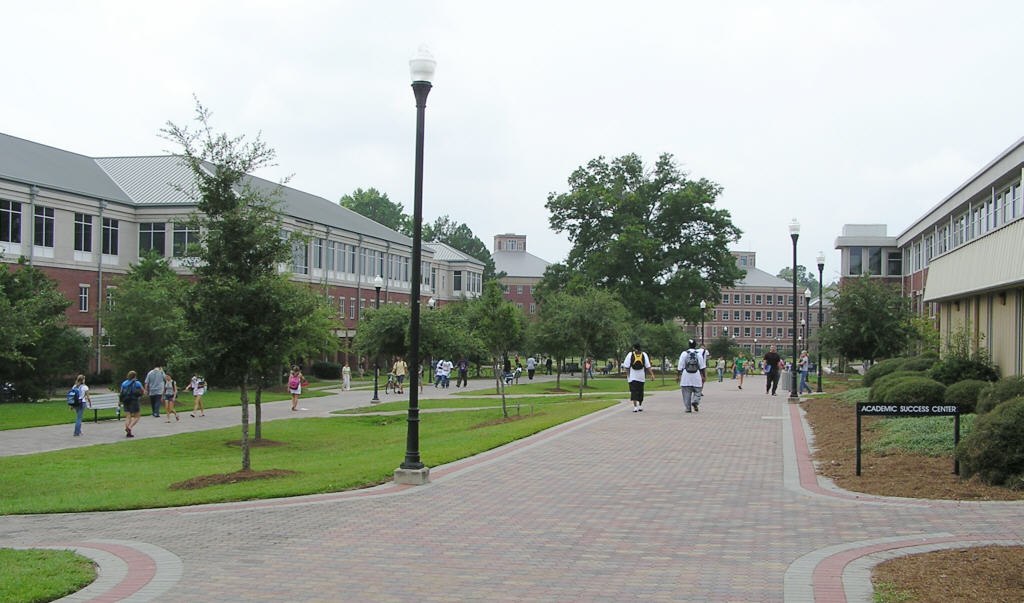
(10,221)
(110,228)
(746,299)
(512,245)
(856,262)
(725,298)
(42,234)
(778,300)
(746,331)
(746,315)
(768,315)
(894,263)
(352,308)
(725,315)
(110,297)
(83,298)
(757,316)
(300,257)
(533,308)
(152,237)
(318,254)
(757,331)
(757,300)
(769,332)
(183,238)
(874,261)
(83,232)
(735,298)
(768,299)
(735,314)
(735,331)
(519,289)
(778,316)
(457,281)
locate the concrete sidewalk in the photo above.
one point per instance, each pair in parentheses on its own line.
(720,505)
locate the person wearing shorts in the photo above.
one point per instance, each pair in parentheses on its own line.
(639,365)
(400,368)
(170,397)
(741,368)
(198,386)
(131,389)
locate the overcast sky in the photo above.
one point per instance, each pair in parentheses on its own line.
(830,112)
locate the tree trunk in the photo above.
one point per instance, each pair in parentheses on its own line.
(245,426)
(501,389)
(259,411)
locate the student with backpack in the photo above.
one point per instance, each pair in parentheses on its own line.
(692,373)
(78,396)
(131,391)
(639,365)
(295,383)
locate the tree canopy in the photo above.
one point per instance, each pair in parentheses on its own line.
(376,206)
(805,279)
(461,237)
(870,319)
(654,238)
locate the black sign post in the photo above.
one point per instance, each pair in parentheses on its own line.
(911,410)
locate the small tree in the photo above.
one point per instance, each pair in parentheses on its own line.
(870,320)
(500,326)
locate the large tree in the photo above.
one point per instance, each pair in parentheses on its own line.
(461,237)
(37,345)
(236,262)
(376,206)
(654,237)
(870,319)
(146,322)
(805,279)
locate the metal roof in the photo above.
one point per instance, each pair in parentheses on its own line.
(33,163)
(447,253)
(519,263)
(756,277)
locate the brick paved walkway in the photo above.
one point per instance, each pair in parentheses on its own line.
(720,505)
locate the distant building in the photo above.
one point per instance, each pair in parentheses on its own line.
(522,269)
(757,311)
(84,221)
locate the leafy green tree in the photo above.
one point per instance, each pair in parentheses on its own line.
(870,319)
(500,326)
(146,322)
(376,206)
(653,238)
(37,346)
(236,262)
(461,237)
(663,340)
(722,347)
(805,279)
(552,332)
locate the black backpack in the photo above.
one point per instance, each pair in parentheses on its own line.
(692,364)
(638,361)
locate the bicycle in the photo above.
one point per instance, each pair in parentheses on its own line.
(391,387)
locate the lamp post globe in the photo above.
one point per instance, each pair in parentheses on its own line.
(412,470)
(378,282)
(794,234)
(821,309)
(703,306)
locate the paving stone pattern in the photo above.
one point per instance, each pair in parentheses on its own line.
(719,505)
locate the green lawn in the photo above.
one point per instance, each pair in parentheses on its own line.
(599,384)
(19,415)
(326,454)
(523,401)
(42,575)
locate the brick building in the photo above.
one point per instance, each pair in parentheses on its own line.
(522,269)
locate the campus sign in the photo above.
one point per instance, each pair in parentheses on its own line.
(920,409)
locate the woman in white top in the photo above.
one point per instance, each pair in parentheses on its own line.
(198,386)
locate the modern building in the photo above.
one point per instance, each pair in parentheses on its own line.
(757,312)
(84,221)
(522,269)
(962,261)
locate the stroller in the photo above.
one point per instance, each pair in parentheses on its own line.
(512,376)
(391,387)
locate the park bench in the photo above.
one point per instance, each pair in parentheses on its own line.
(102,402)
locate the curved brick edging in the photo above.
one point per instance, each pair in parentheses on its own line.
(127,571)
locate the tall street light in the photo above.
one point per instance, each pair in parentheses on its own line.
(807,315)
(821,310)
(794,234)
(378,282)
(703,306)
(412,470)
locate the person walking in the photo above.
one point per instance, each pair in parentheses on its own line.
(198,386)
(170,397)
(531,367)
(463,366)
(295,382)
(740,366)
(805,368)
(639,365)
(81,395)
(547,364)
(346,377)
(131,392)
(772,370)
(720,367)
(400,368)
(154,388)
(692,374)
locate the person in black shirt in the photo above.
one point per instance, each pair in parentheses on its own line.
(772,370)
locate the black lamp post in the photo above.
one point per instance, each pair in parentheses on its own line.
(378,282)
(703,306)
(412,470)
(821,310)
(794,234)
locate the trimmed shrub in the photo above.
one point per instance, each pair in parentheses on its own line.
(950,370)
(1001,391)
(881,369)
(919,363)
(994,450)
(908,390)
(883,383)
(326,370)
(965,394)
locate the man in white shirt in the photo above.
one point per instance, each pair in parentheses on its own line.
(639,365)
(692,370)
